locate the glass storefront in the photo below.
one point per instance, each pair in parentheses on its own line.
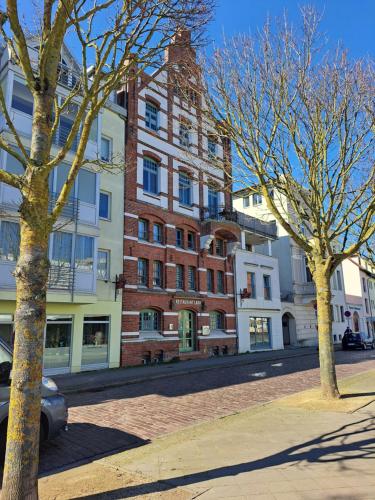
(259,329)
(57,344)
(6,328)
(95,340)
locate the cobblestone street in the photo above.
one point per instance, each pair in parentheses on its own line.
(115,419)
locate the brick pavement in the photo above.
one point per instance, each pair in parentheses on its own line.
(125,417)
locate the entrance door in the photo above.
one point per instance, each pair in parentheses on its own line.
(186,330)
(286,330)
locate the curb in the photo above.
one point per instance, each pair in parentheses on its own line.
(145,378)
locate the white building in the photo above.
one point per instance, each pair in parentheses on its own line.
(359,279)
(258,305)
(298,296)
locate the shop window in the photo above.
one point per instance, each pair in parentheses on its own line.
(9,241)
(216,320)
(149,320)
(179,277)
(57,345)
(210,280)
(185,190)
(260,331)
(157,232)
(84,255)
(6,333)
(151,117)
(267,286)
(142,272)
(103,272)
(143,229)
(220,282)
(150,176)
(95,340)
(157,274)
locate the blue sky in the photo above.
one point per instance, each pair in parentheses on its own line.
(351,21)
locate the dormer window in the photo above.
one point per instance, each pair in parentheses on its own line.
(151,116)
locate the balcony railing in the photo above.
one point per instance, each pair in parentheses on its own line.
(221,213)
(70,209)
(61,136)
(61,278)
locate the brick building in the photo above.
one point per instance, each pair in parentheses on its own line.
(180,233)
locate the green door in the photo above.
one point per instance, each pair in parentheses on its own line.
(186,333)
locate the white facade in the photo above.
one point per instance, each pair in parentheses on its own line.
(297,290)
(258,315)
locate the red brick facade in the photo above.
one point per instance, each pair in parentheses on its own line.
(163,345)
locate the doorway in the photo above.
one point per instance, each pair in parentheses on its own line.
(289,329)
(186,331)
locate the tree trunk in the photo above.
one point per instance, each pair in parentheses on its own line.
(22,455)
(328,378)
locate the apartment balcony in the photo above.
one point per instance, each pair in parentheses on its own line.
(246,222)
(61,278)
(61,136)
(70,210)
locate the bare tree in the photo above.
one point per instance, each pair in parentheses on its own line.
(301,120)
(117,39)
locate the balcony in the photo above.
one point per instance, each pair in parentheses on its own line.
(62,133)
(70,210)
(221,213)
(61,278)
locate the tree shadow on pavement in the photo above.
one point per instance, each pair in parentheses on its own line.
(84,443)
(337,446)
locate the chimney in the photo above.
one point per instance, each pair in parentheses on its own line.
(180,49)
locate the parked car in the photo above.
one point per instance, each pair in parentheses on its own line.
(352,340)
(54,412)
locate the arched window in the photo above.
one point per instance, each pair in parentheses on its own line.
(149,320)
(216,320)
(150,176)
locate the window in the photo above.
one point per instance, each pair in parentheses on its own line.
(62,249)
(142,272)
(210,280)
(9,241)
(337,313)
(267,286)
(150,176)
(212,147)
(185,189)
(257,199)
(95,340)
(191,240)
(106,149)
(179,238)
(219,247)
(220,282)
(151,117)
(143,229)
(366,306)
(364,284)
(259,329)
(216,320)
(332,313)
(191,278)
(22,99)
(103,265)
(157,234)
(251,290)
(157,274)
(339,280)
(211,248)
(104,205)
(87,186)
(342,317)
(13,165)
(309,277)
(246,201)
(149,320)
(213,202)
(84,253)
(184,135)
(248,247)
(179,277)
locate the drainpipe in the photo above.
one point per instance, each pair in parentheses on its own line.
(235,300)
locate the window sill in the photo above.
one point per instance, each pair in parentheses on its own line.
(152,195)
(186,207)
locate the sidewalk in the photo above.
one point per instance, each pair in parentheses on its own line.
(294,448)
(101,379)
